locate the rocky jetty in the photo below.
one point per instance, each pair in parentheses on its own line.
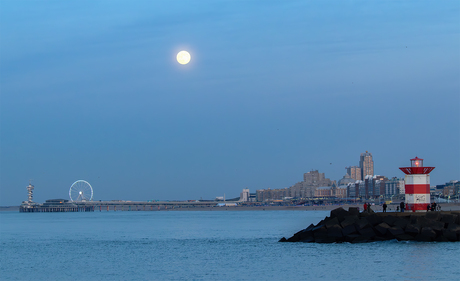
(355,227)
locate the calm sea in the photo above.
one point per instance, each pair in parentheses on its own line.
(203,245)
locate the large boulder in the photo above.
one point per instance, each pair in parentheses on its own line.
(339,213)
(389,220)
(449,234)
(349,229)
(428,232)
(413,229)
(448,218)
(334,231)
(396,230)
(332,222)
(401,222)
(373,219)
(433,215)
(353,211)
(349,220)
(362,223)
(382,228)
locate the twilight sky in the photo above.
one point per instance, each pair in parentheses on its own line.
(91,90)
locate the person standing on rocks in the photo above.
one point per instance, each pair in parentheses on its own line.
(365,207)
(368,207)
(401,206)
(384,207)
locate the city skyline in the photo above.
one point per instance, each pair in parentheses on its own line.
(94,91)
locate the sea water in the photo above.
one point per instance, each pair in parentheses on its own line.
(203,245)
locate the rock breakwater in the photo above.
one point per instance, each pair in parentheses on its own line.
(355,227)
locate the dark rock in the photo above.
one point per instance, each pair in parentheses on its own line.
(422,238)
(382,228)
(293,239)
(449,234)
(454,227)
(341,226)
(362,223)
(349,229)
(307,239)
(332,222)
(413,219)
(433,215)
(349,220)
(389,220)
(441,239)
(428,232)
(400,222)
(413,228)
(339,213)
(448,218)
(404,237)
(368,232)
(424,222)
(373,219)
(437,226)
(351,237)
(318,226)
(364,214)
(321,223)
(361,239)
(334,231)
(353,211)
(395,231)
(321,232)
(380,238)
(310,227)
(325,240)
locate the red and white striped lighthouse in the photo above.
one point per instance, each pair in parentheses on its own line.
(417,185)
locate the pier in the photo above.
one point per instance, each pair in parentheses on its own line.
(54,205)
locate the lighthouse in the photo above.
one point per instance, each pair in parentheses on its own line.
(417,185)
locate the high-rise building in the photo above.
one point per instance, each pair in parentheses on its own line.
(316,179)
(244,196)
(366,164)
(354,172)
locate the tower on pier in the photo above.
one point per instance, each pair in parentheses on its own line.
(417,185)
(30,191)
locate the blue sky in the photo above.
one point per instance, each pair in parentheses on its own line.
(91,90)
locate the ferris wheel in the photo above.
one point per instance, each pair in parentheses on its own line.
(81,191)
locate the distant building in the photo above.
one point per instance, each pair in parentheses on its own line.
(354,172)
(331,191)
(245,195)
(394,186)
(366,164)
(370,187)
(311,181)
(346,180)
(271,194)
(451,188)
(316,179)
(304,189)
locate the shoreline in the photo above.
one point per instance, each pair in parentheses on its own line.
(376,208)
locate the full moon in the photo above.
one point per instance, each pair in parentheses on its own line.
(183,57)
